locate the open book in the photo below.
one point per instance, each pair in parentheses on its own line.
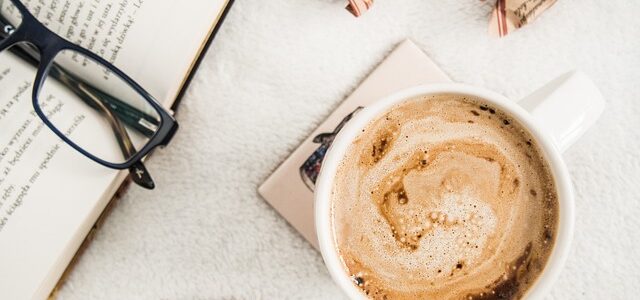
(51,195)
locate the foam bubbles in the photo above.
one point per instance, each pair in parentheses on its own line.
(435,195)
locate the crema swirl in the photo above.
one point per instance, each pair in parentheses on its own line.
(444,197)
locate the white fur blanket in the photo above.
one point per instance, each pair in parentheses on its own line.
(278,67)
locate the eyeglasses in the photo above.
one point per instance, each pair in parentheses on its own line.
(85,100)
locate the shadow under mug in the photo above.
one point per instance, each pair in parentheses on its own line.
(556,115)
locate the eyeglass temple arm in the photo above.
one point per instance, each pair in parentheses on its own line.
(138,172)
(132,116)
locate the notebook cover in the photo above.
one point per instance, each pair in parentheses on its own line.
(290,188)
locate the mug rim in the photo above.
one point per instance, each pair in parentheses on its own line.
(336,152)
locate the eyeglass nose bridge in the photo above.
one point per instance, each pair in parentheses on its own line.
(39,36)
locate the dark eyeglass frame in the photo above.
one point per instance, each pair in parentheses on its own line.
(50,44)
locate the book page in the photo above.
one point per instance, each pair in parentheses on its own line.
(154,42)
(50,194)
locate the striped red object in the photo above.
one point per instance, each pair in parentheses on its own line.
(358,7)
(509,15)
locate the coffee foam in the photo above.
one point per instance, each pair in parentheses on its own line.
(444,197)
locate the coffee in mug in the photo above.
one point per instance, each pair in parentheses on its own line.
(444,197)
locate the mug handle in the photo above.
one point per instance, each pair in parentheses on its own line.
(565,107)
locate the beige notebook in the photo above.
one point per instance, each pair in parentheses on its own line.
(290,188)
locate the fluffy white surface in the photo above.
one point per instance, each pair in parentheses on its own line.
(279,67)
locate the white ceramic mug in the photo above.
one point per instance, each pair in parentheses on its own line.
(556,115)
